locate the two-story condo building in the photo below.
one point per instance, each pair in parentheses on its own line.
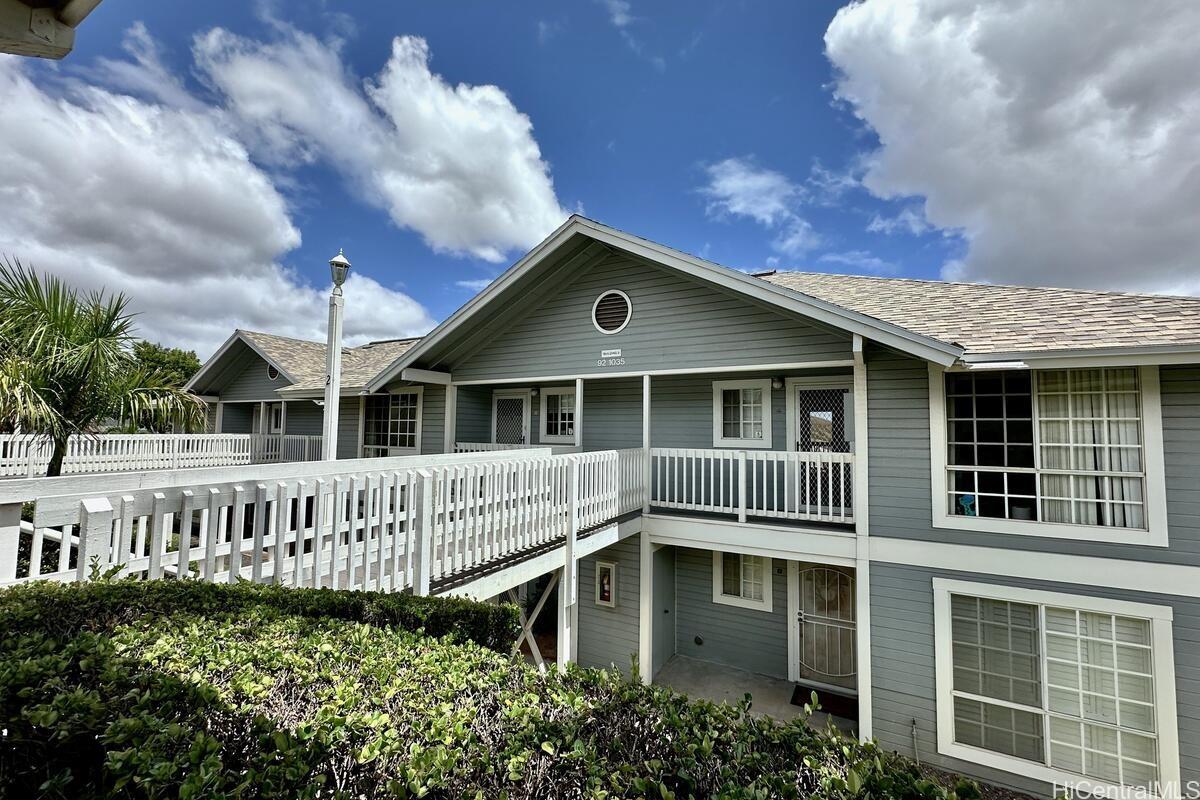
(967,515)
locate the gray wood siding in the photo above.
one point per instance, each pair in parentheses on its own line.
(237,418)
(612,414)
(902,665)
(347,443)
(901,499)
(433,419)
(677,322)
(738,637)
(608,637)
(250,381)
(304,418)
(210,418)
(474,418)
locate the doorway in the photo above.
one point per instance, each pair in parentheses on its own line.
(510,417)
(824,627)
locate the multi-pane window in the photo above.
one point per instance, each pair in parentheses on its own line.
(1071,689)
(1049,445)
(390,422)
(742,413)
(742,580)
(558,415)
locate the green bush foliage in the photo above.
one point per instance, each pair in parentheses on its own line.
(182,689)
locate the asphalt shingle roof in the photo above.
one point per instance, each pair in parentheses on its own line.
(304,361)
(987,319)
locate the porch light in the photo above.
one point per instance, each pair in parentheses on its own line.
(776,383)
(339,267)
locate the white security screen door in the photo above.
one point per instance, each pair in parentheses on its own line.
(827,625)
(510,418)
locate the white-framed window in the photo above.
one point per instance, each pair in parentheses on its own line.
(742,413)
(275,418)
(1062,688)
(606,584)
(392,422)
(742,580)
(558,415)
(1074,453)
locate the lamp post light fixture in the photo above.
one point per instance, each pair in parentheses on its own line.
(339,268)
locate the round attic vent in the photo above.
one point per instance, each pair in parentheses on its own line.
(612,311)
(272,373)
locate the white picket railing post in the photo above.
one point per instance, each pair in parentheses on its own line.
(10,540)
(568,589)
(421,519)
(741,468)
(95,535)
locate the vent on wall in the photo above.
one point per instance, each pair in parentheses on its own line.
(612,311)
(272,373)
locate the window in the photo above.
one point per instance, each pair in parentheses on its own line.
(742,413)
(612,311)
(558,416)
(391,422)
(742,580)
(1058,687)
(275,417)
(1070,447)
(272,372)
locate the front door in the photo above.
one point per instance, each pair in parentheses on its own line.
(826,627)
(510,418)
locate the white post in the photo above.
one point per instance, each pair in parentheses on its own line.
(579,413)
(646,609)
(262,418)
(451,424)
(862,530)
(333,374)
(10,539)
(220,420)
(283,418)
(568,588)
(741,468)
(647,460)
(95,535)
(422,539)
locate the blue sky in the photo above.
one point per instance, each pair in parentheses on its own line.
(726,131)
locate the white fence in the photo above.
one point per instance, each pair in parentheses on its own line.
(493,447)
(763,483)
(387,525)
(28,456)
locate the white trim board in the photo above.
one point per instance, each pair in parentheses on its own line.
(1155,499)
(1163,660)
(786,542)
(655,373)
(1066,568)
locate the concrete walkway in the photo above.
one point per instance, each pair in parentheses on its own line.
(771,697)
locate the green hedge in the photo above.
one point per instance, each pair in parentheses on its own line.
(156,690)
(68,608)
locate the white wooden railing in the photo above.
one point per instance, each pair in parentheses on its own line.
(493,447)
(385,524)
(28,456)
(754,483)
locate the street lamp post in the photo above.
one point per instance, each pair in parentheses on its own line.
(339,266)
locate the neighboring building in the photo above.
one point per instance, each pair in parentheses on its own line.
(972,510)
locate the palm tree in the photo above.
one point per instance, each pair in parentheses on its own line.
(67,365)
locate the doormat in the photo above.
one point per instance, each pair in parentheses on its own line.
(831,703)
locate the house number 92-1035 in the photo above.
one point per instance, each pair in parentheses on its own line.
(610,362)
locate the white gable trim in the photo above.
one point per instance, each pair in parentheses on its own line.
(224,348)
(811,307)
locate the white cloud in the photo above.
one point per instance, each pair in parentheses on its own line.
(908,220)
(547,30)
(456,163)
(620,12)
(1062,141)
(474,285)
(739,187)
(164,204)
(861,261)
